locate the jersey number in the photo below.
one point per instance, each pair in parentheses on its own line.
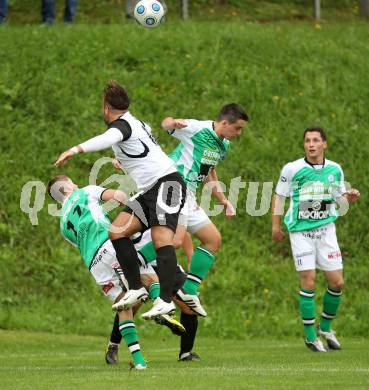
(173,191)
(70,225)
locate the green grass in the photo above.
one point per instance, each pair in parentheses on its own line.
(44,361)
(287,75)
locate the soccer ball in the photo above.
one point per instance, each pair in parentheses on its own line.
(149,13)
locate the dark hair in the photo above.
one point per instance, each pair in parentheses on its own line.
(318,130)
(55,180)
(232,112)
(116,96)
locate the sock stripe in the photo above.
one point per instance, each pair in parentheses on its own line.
(154,290)
(134,347)
(306,294)
(126,322)
(327,315)
(126,325)
(195,278)
(309,321)
(334,293)
(200,248)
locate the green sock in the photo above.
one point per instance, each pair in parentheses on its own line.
(154,290)
(148,252)
(201,262)
(128,330)
(307,310)
(331,302)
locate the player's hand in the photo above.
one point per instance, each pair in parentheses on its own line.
(116,164)
(352,196)
(63,158)
(229,210)
(278,234)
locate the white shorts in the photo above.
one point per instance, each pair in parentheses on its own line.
(192,216)
(107,273)
(316,248)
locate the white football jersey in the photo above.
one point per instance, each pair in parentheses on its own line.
(139,153)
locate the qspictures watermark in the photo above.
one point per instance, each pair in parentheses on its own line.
(257,204)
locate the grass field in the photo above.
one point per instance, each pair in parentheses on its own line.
(46,361)
(288,76)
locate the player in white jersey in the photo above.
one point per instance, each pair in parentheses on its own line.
(161,196)
(315,186)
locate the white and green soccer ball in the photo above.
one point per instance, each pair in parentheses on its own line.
(149,13)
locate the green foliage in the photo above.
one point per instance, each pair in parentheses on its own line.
(288,76)
(45,361)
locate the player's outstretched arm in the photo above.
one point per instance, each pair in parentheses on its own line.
(277,212)
(117,195)
(103,141)
(170,124)
(217,192)
(67,155)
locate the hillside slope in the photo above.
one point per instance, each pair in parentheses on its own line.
(288,76)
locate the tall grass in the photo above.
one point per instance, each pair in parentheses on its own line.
(288,76)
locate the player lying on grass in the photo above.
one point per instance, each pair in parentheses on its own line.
(315,185)
(188,318)
(84,224)
(203,144)
(161,196)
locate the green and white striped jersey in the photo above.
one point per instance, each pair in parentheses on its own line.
(83,222)
(312,190)
(200,151)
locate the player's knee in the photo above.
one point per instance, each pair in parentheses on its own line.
(177,242)
(214,243)
(309,285)
(307,282)
(337,284)
(115,235)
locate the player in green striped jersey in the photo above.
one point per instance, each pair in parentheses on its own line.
(203,144)
(85,225)
(315,186)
